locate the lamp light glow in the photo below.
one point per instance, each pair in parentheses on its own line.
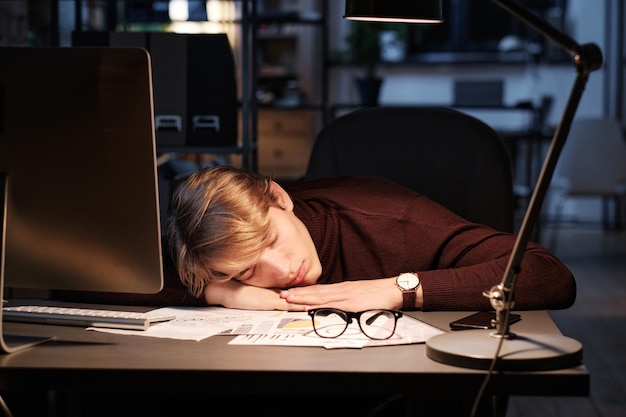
(178,10)
(422,11)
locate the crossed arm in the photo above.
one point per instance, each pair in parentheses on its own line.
(543,283)
(348,295)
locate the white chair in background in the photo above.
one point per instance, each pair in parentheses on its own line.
(592,165)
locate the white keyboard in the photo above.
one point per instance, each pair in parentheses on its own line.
(84,317)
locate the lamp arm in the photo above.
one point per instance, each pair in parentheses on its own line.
(587,58)
(531,19)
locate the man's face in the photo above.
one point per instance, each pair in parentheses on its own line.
(290,259)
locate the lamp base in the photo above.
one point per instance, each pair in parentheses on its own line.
(476,349)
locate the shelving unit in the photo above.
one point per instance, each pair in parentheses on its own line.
(289,74)
(282,82)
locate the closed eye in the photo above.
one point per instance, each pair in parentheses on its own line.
(249,273)
(246,274)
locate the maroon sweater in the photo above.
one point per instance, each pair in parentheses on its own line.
(368,228)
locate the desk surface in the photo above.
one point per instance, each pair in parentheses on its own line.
(79,358)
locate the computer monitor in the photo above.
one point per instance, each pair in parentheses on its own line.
(78,166)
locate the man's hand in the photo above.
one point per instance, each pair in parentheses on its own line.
(348,295)
(234,294)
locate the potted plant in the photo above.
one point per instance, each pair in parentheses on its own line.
(364,40)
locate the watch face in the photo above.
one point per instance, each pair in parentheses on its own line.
(408,281)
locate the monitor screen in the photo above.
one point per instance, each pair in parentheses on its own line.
(78,164)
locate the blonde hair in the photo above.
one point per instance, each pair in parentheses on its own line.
(219,224)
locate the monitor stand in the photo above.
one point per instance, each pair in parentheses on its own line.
(10,343)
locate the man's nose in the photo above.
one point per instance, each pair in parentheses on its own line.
(275,261)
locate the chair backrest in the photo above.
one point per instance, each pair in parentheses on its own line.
(451,157)
(593,159)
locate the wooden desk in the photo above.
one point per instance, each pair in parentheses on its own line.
(81,359)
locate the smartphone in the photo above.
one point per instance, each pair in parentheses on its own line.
(480,320)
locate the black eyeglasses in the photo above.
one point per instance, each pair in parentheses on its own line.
(377,324)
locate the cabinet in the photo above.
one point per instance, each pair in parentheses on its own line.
(285,140)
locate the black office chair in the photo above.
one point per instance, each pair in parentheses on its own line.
(451,157)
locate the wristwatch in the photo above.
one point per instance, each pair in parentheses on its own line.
(408,282)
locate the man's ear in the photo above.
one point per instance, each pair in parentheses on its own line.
(282,197)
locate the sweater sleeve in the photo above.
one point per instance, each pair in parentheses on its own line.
(470,259)
(367,228)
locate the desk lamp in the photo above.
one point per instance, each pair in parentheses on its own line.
(478,349)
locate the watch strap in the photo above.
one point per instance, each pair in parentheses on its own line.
(408,299)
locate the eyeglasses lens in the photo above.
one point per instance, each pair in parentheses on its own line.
(330,323)
(378,324)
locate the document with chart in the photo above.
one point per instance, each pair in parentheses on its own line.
(280,328)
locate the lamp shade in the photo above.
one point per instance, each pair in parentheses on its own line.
(409,11)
